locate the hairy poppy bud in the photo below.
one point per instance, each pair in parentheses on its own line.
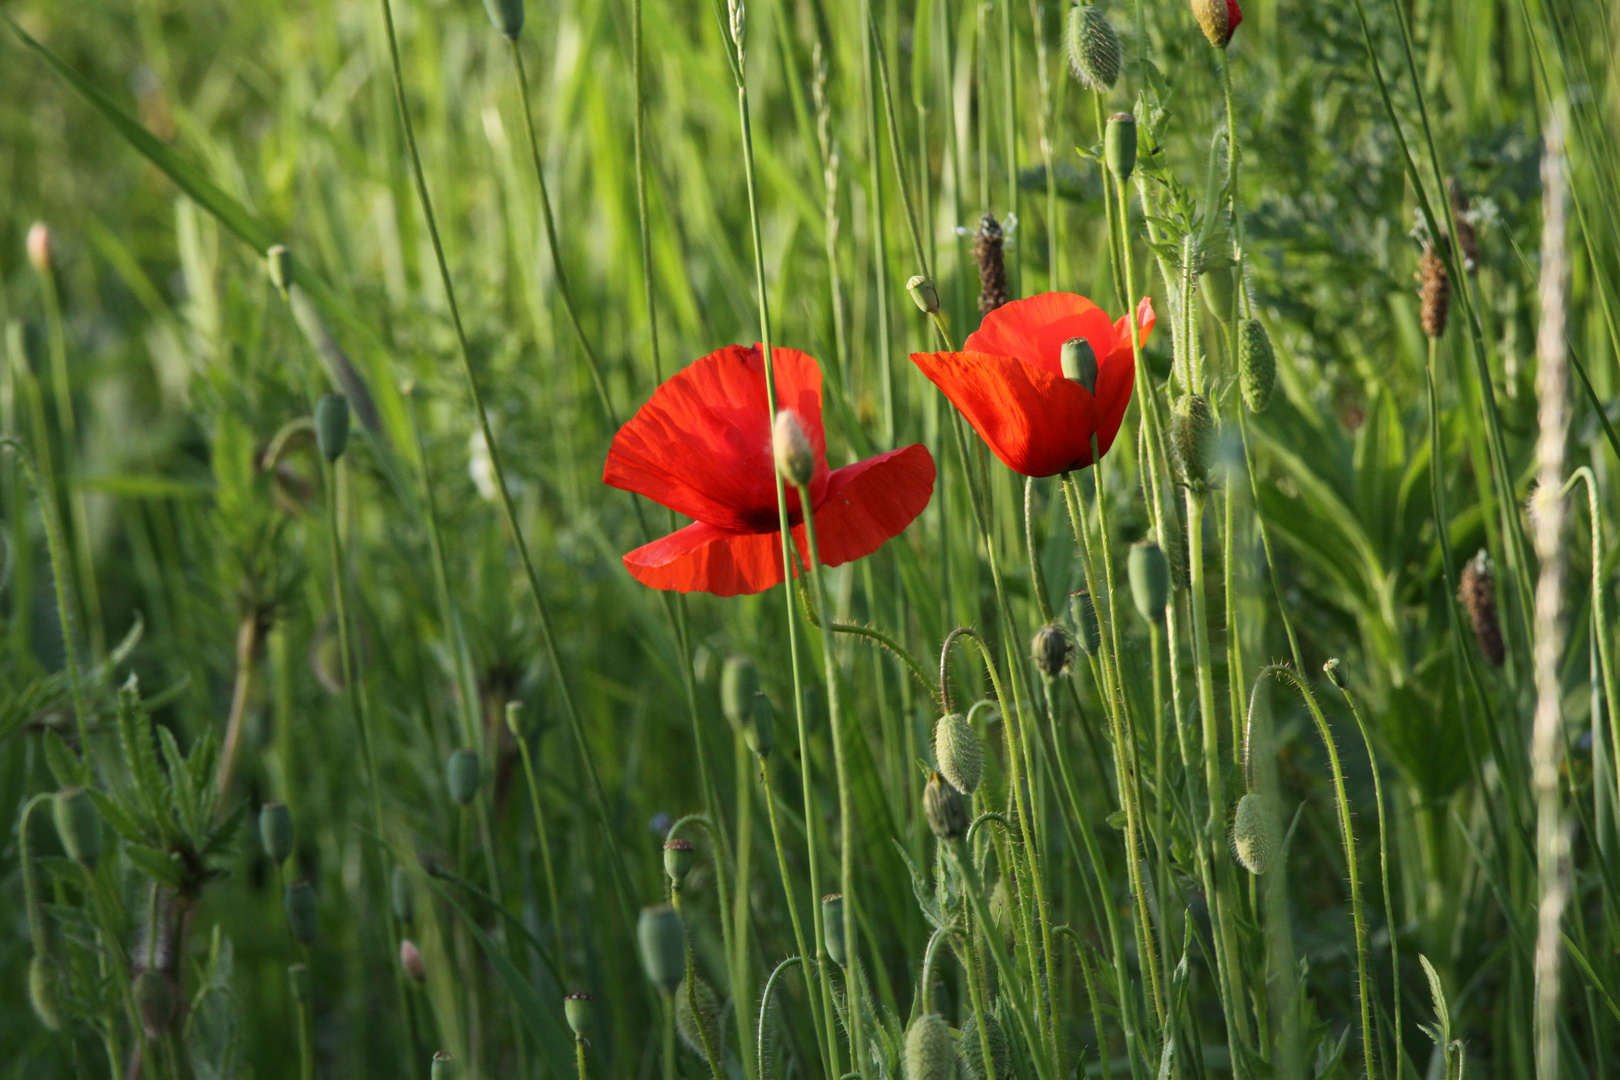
(832,928)
(298,981)
(1255,833)
(39,253)
(924,294)
(1051,650)
(1119,145)
(1192,440)
(1218,19)
(972,1054)
(746,706)
(299,901)
(945,809)
(78,825)
(958,752)
(1257,364)
(1083,613)
(1477,592)
(276,831)
(1149,572)
(156,1000)
(399,896)
(992,260)
(507,15)
(930,1049)
(662,937)
(679,855)
(795,460)
(332,425)
(1216,285)
(279,262)
(1079,361)
(1434,292)
(444,1066)
(577,1009)
(1093,47)
(462,773)
(45,989)
(702,1023)
(1333,672)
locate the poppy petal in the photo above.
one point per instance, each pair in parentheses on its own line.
(702,444)
(1145,318)
(869,502)
(1034,329)
(707,558)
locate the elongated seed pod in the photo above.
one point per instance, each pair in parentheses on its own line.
(958,752)
(930,1049)
(1257,364)
(1093,47)
(1256,835)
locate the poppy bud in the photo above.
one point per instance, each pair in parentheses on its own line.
(78,825)
(1051,650)
(1257,364)
(410,959)
(678,857)
(1093,46)
(1216,285)
(972,1054)
(1119,145)
(507,15)
(930,1049)
(279,262)
(298,981)
(1334,674)
(924,294)
(399,896)
(1192,440)
(462,772)
(832,928)
(156,1000)
(746,706)
(992,260)
(332,425)
(692,1025)
(1255,833)
(1149,572)
(1218,19)
(1083,613)
(45,990)
(39,254)
(299,901)
(577,1009)
(276,831)
(1079,361)
(1434,292)
(795,460)
(444,1066)
(662,937)
(945,809)
(1477,592)
(958,752)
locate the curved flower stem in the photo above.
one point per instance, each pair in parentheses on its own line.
(690,983)
(975,980)
(541,832)
(817,1005)
(765,1002)
(25,857)
(1091,992)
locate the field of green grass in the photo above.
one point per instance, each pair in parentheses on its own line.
(1226,690)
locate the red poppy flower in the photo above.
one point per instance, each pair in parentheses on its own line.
(1008,381)
(702,447)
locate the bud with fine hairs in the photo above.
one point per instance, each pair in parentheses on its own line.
(662,939)
(1256,834)
(1477,593)
(332,425)
(1149,572)
(1052,650)
(1079,362)
(276,831)
(39,247)
(1093,47)
(577,1009)
(992,260)
(410,960)
(1218,19)
(930,1049)
(1257,365)
(463,775)
(971,1057)
(958,752)
(679,854)
(1119,145)
(795,459)
(697,1015)
(45,979)
(1192,440)
(832,928)
(1434,291)
(923,294)
(945,809)
(78,825)
(507,15)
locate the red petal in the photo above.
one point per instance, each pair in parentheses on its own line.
(1234,15)
(706,558)
(1034,329)
(1144,318)
(869,502)
(702,445)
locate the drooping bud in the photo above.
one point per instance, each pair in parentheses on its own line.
(276,831)
(923,294)
(662,937)
(1192,440)
(795,460)
(1334,672)
(1477,593)
(1079,361)
(1093,47)
(156,1001)
(410,959)
(1434,291)
(945,809)
(746,706)
(1051,650)
(332,425)
(279,262)
(299,901)
(992,260)
(1149,572)
(1218,19)
(1256,836)
(577,1009)
(1257,364)
(930,1049)
(972,1054)
(1462,223)
(679,854)
(45,990)
(704,1021)
(1216,285)
(1119,145)
(958,752)
(78,825)
(832,928)
(399,896)
(463,775)
(1083,613)
(444,1066)
(507,15)
(39,250)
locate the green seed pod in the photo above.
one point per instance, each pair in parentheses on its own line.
(1119,145)
(577,1008)
(45,989)
(1257,364)
(332,425)
(1256,835)
(507,15)
(156,1001)
(972,1054)
(679,855)
(444,1066)
(400,897)
(1083,613)
(958,752)
(708,1015)
(281,269)
(923,294)
(1093,47)
(300,901)
(1051,650)
(276,831)
(662,937)
(1079,362)
(462,772)
(298,981)
(945,809)
(930,1049)
(1150,579)
(795,459)
(832,928)
(78,825)
(1192,440)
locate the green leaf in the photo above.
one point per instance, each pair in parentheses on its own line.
(156,864)
(1442,1011)
(114,814)
(65,766)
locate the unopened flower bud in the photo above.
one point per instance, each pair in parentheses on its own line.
(1334,672)
(945,809)
(332,425)
(662,937)
(930,1049)
(1257,364)
(699,1024)
(1218,19)
(832,928)
(924,294)
(39,247)
(299,901)
(156,1001)
(1119,145)
(399,896)
(679,855)
(279,262)
(795,460)
(78,825)
(1083,613)
(1149,572)
(971,1056)
(507,15)
(746,706)
(1256,836)
(1192,440)
(444,1066)
(577,1009)
(462,773)
(1216,285)
(45,989)
(958,752)
(1093,47)
(276,831)
(1079,361)
(410,959)
(1051,650)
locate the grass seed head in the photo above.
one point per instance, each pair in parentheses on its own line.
(78,825)
(1093,47)
(832,928)
(930,1049)
(1462,223)
(1434,291)
(662,938)
(45,989)
(39,247)
(1257,365)
(988,252)
(1477,593)
(958,752)
(279,263)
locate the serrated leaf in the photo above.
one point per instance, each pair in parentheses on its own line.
(113,813)
(181,798)
(224,834)
(64,764)
(921,889)
(1442,1011)
(156,864)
